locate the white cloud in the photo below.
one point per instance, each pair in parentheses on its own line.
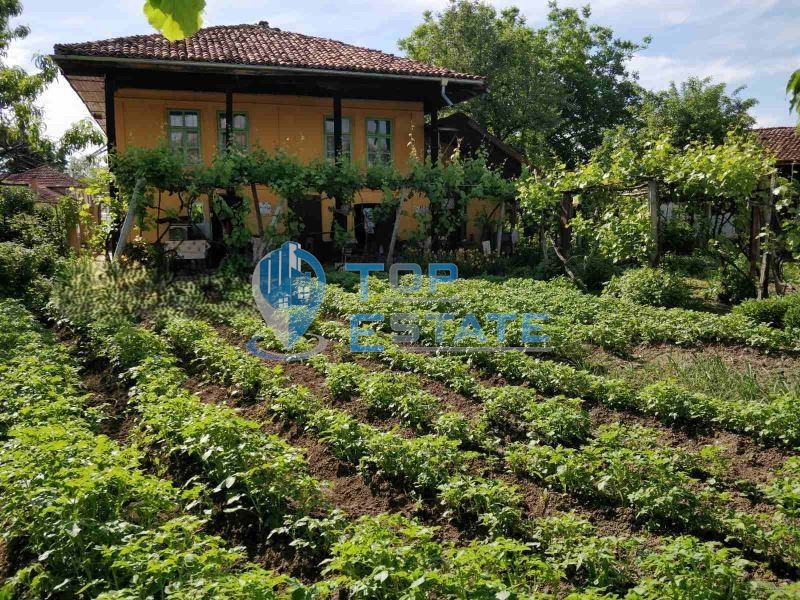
(657,72)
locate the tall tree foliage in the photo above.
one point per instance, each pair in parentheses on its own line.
(23,144)
(553,90)
(697,110)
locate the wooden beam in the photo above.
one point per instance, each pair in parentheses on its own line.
(111,120)
(337,127)
(228,118)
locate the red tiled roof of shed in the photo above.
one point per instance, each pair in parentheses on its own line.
(783,141)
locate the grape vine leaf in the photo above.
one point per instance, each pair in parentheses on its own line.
(175,19)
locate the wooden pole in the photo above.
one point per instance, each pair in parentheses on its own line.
(111,141)
(254,193)
(564,232)
(655,213)
(755,239)
(500,227)
(763,279)
(396,227)
(228,118)
(337,127)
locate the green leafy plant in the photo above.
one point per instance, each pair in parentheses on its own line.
(649,286)
(175,19)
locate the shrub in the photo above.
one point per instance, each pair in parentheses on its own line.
(694,265)
(792,318)
(382,557)
(649,286)
(678,234)
(456,426)
(784,490)
(595,271)
(516,412)
(422,463)
(735,285)
(68,493)
(397,395)
(390,556)
(769,311)
(18,266)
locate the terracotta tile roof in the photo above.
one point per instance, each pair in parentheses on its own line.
(259,45)
(783,141)
(45,176)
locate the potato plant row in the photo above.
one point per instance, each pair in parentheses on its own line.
(510,411)
(575,318)
(473,571)
(400,459)
(775,421)
(80,515)
(246,469)
(622,466)
(419,464)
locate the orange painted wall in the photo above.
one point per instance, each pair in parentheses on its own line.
(293,123)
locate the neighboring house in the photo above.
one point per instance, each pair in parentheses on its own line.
(312,97)
(463,133)
(785,145)
(49,185)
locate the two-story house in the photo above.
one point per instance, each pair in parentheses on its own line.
(312,97)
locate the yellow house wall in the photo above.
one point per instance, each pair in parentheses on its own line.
(292,123)
(475,209)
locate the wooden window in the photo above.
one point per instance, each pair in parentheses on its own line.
(184,132)
(240,134)
(347,138)
(379,141)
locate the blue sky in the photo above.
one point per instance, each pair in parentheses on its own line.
(741,42)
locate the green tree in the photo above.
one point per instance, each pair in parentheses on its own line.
(23,144)
(471,37)
(552,90)
(697,110)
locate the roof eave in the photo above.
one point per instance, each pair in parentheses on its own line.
(238,68)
